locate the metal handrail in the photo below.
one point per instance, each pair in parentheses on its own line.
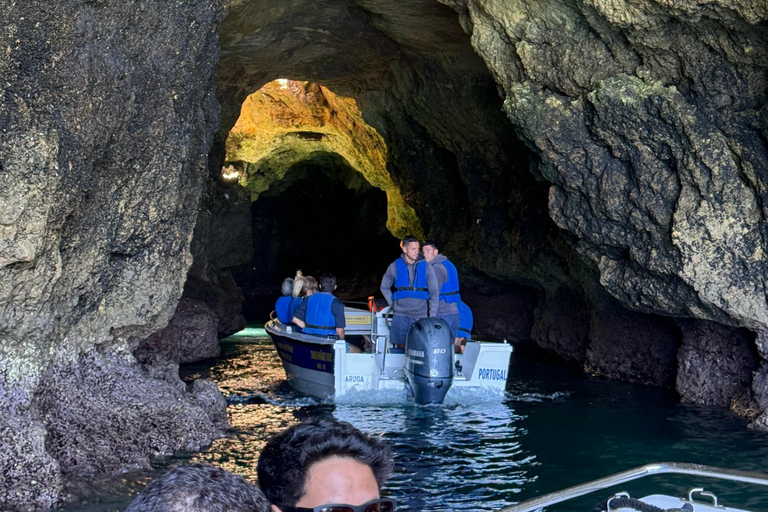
(633,474)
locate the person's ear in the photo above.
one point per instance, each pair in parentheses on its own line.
(335,286)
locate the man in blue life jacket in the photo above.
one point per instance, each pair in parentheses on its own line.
(416,293)
(448,284)
(322,314)
(283,304)
(465,328)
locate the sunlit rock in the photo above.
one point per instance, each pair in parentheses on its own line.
(286,122)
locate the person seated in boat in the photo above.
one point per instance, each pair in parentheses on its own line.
(200,488)
(416,294)
(324,464)
(448,284)
(465,328)
(303,286)
(283,304)
(322,314)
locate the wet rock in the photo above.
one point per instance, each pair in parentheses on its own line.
(715,364)
(31,477)
(633,346)
(561,325)
(190,336)
(104,414)
(106,113)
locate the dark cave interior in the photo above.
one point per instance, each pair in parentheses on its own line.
(323,216)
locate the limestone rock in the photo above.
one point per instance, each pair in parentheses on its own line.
(647,137)
(103,415)
(633,347)
(191,335)
(106,112)
(715,364)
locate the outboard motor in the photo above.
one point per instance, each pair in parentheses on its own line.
(429,360)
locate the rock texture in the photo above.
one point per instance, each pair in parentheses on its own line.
(648,124)
(107,110)
(600,164)
(716,364)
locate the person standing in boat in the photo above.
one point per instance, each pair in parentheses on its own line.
(448,284)
(416,293)
(322,314)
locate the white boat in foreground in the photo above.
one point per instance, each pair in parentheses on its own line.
(696,500)
(322,367)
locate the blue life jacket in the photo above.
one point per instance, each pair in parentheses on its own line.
(283,309)
(404,289)
(465,321)
(319,318)
(450,290)
(295,303)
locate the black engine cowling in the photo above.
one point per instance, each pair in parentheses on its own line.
(429,360)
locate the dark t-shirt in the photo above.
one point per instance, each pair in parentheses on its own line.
(337,310)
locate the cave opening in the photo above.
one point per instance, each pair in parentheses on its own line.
(398,94)
(323,216)
(321,197)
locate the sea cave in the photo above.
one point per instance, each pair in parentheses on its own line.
(596,170)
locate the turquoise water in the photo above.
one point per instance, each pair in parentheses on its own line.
(553,428)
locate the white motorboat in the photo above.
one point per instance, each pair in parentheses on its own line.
(322,366)
(697,499)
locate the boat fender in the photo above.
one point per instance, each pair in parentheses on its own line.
(616,502)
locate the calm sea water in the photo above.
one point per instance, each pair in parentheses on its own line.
(553,428)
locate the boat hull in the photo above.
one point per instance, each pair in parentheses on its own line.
(322,367)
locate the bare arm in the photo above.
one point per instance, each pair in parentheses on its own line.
(298,322)
(340,332)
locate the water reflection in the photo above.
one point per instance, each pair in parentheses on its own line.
(464,454)
(479,451)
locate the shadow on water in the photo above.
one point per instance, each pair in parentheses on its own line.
(553,428)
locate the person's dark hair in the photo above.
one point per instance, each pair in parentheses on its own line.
(432,243)
(408,239)
(200,488)
(327,282)
(287,457)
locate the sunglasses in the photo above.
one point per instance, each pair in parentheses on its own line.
(377,505)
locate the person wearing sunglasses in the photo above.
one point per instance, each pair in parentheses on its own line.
(324,465)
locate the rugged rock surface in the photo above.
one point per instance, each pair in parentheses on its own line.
(106,113)
(648,124)
(622,185)
(716,364)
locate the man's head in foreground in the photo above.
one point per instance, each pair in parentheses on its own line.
(325,462)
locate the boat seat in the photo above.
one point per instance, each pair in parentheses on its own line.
(393,350)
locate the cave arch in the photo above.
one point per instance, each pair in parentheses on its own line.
(445,148)
(322,216)
(287,122)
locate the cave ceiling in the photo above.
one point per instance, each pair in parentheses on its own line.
(287,122)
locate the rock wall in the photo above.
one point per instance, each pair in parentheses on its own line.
(649,122)
(107,113)
(622,184)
